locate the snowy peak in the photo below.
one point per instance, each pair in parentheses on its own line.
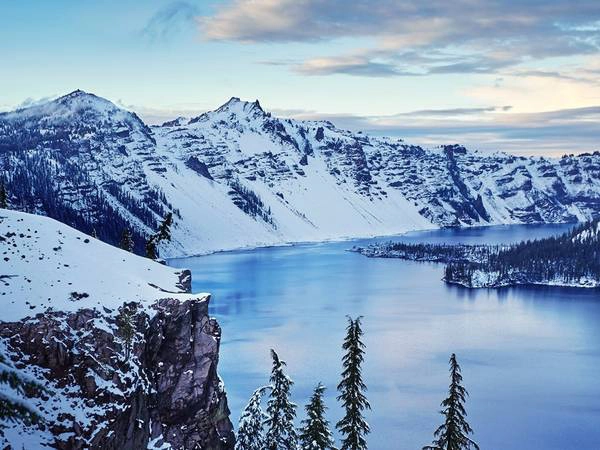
(73,111)
(67,105)
(236,106)
(234,110)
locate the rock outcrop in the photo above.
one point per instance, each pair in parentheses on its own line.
(166,394)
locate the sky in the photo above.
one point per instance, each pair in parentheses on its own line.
(510,75)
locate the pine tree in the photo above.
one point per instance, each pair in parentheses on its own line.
(353,426)
(11,409)
(315,433)
(281,412)
(126,242)
(164,230)
(151,251)
(250,435)
(163,234)
(126,323)
(3,196)
(453,433)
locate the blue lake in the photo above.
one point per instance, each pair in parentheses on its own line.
(530,355)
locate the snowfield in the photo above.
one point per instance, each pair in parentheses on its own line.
(46,264)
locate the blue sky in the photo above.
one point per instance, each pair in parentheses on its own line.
(503,74)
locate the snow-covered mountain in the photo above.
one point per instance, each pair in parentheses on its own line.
(238,176)
(62,295)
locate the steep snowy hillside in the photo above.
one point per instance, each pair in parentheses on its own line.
(238,176)
(67,300)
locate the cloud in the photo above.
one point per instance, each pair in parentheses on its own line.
(494,128)
(415,38)
(169,20)
(29,101)
(349,66)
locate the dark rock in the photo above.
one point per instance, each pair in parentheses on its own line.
(169,389)
(199,167)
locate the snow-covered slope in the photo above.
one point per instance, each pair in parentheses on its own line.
(64,298)
(46,264)
(238,176)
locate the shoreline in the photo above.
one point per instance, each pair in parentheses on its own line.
(340,239)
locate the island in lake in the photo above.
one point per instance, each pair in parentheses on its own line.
(571,259)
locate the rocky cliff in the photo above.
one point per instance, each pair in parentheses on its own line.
(156,387)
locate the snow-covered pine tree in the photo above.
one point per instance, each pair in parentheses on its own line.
(453,434)
(11,407)
(281,412)
(126,242)
(353,425)
(315,433)
(3,196)
(250,435)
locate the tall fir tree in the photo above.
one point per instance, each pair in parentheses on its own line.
(353,426)
(250,435)
(281,412)
(315,433)
(163,234)
(453,434)
(3,196)
(126,242)
(151,251)
(164,229)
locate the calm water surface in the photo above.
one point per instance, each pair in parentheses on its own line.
(530,356)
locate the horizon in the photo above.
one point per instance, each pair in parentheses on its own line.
(494,76)
(159,121)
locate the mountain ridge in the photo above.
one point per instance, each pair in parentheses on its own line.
(239,177)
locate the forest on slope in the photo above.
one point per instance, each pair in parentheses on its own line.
(571,259)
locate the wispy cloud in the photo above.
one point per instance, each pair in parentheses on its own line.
(169,20)
(347,65)
(416,38)
(557,132)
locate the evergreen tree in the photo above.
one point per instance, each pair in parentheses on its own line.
(164,230)
(315,433)
(163,234)
(281,412)
(250,435)
(3,196)
(11,409)
(126,323)
(453,433)
(353,426)
(151,251)
(126,242)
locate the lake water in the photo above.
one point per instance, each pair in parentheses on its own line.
(530,355)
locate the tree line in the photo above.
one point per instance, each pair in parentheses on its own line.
(570,257)
(274,428)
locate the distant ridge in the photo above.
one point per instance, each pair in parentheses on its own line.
(237,177)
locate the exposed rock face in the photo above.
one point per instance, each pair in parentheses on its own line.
(167,393)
